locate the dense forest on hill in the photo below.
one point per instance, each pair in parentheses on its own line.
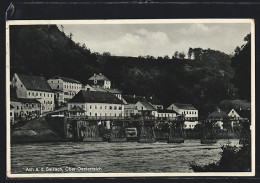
(204,79)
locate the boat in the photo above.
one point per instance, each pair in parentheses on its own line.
(131,134)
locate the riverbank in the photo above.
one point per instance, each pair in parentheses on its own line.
(35,130)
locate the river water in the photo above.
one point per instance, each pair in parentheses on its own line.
(127,157)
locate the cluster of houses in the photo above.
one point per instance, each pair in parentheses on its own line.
(32,96)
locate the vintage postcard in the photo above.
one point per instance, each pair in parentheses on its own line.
(130,98)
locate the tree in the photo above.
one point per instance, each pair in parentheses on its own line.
(190,52)
(182,55)
(241,62)
(176,54)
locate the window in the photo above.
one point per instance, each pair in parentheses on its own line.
(21,85)
(101,107)
(17,107)
(82,106)
(44,101)
(48,95)
(40,94)
(110,107)
(120,108)
(44,94)
(95,107)
(29,93)
(95,81)
(90,113)
(90,106)
(32,93)
(58,86)
(11,113)
(27,105)
(115,108)
(51,81)
(105,107)
(36,94)
(32,105)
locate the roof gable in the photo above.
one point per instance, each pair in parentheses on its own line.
(185,106)
(24,100)
(148,106)
(37,83)
(67,79)
(99,77)
(95,97)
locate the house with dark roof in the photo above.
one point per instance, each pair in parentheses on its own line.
(34,87)
(146,108)
(97,103)
(239,115)
(189,112)
(218,117)
(24,108)
(99,80)
(65,88)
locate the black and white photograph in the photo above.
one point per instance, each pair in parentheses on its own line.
(126,98)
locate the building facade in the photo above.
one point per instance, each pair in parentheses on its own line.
(98,104)
(68,87)
(25,109)
(99,80)
(34,87)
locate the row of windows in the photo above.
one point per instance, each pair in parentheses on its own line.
(189,112)
(47,102)
(27,106)
(104,114)
(165,115)
(190,126)
(106,107)
(100,107)
(71,87)
(22,113)
(40,94)
(47,108)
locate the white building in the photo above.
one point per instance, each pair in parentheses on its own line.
(68,87)
(166,113)
(97,104)
(189,112)
(24,109)
(145,108)
(34,87)
(99,80)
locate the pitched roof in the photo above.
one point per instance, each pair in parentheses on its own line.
(95,97)
(99,77)
(166,111)
(227,105)
(218,114)
(113,90)
(24,100)
(76,109)
(66,79)
(244,113)
(133,99)
(185,106)
(37,83)
(148,106)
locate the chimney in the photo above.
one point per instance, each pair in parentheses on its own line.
(100,74)
(94,74)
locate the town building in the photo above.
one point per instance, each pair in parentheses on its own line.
(99,80)
(34,87)
(188,111)
(237,116)
(219,119)
(97,104)
(130,110)
(164,113)
(25,109)
(146,109)
(12,114)
(65,88)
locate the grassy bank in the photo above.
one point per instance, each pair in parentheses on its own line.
(35,130)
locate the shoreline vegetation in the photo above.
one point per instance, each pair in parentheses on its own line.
(233,159)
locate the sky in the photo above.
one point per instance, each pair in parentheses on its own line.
(158,39)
